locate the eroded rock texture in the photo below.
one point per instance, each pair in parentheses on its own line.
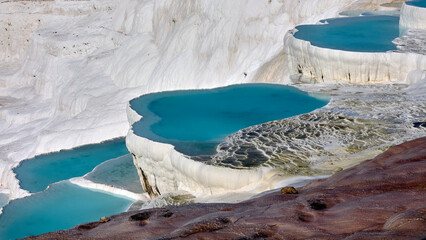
(382,198)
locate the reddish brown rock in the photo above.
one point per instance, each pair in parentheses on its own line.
(383,198)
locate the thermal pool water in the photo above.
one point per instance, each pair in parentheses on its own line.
(357,34)
(417,3)
(37,173)
(119,173)
(196,121)
(61,206)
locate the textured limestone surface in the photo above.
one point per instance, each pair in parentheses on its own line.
(413,16)
(360,122)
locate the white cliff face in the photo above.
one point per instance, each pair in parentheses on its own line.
(162,169)
(413,17)
(68,70)
(330,65)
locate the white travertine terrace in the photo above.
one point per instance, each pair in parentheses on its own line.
(68,68)
(162,169)
(412,17)
(330,65)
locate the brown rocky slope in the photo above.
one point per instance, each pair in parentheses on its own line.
(382,198)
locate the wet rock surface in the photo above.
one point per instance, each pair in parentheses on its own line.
(382,198)
(360,122)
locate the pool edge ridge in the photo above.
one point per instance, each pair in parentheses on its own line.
(88,184)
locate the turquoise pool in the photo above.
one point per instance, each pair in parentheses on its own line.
(37,173)
(119,172)
(417,3)
(196,121)
(357,34)
(62,206)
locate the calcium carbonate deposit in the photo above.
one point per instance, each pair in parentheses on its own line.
(413,14)
(68,70)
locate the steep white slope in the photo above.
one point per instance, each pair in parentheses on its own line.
(203,44)
(69,84)
(61,77)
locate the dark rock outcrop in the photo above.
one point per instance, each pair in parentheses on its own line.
(382,198)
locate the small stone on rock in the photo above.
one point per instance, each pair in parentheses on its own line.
(288,190)
(103,220)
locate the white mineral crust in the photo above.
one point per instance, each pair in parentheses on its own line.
(69,68)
